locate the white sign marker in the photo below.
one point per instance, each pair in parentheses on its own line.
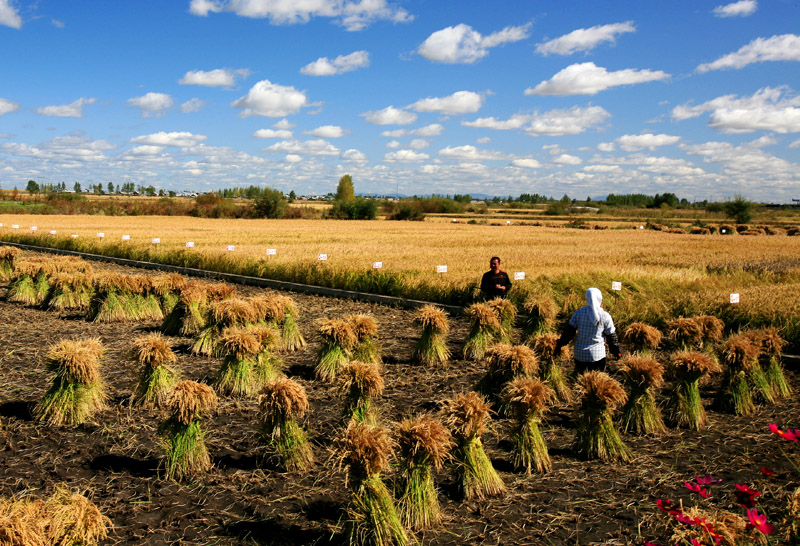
(74,235)
(519,275)
(616,285)
(189,244)
(441,269)
(230,248)
(734,298)
(272,251)
(377,265)
(641,227)
(52,232)
(126,237)
(722,231)
(14,226)
(101,235)
(34,228)
(156,240)
(322,257)
(508,222)
(1,224)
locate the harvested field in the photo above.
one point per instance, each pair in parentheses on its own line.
(116,457)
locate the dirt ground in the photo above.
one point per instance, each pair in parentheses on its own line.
(115,459)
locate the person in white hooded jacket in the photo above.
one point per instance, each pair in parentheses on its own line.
(591,326)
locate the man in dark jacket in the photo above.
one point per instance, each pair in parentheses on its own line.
(495,283)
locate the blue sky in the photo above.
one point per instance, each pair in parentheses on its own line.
(496,97)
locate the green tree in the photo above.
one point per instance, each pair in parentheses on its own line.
(270,204)
(32,187)
(77,187)
(292,196)
(345,190)
(110,187)
(739,208)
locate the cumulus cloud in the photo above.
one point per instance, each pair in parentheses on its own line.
(571,121)
(293,158)
(460,102)
(405,156)
(390,116)
(341,64)
(72,110)
(567,159)
(354,156)
(632,143)
(9,16)
(7,106)
(767,109)
(418,144)
(351,14)
(514,122)
(176,139)
(327,131)
(606,147)
(744,160)
(434,129)
(393,144)
(590,79)
(527,163)
(152,104)
(602,169)
(273,133)
(283,124)
(220,77)
(270,100)
(584,39)
(308,147)
(463,44)
(69,148)
(743,8)
(471,153)
(784,47)
(192,105)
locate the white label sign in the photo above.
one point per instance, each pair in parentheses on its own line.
(101,235)
(156,240)
(230,248)
(616,285)
(508,222)
(455,221)
(52,232)
(74,235)
(272,251)
(734,298)
(14,226)
(641,227)
(519,275)
(441,269)
(34,228)
(126,237)
(189,244)
(322,257)
(1,224)
(722,230)
(377,265)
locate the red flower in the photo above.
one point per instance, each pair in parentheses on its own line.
(696,542)
(666,505)
(684,519)
(759,521)
(745,496)
(792,436)
(767,471)
(706,480)
(700,490)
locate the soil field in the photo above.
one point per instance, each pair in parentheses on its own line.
(115,459)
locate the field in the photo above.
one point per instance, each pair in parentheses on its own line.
(116,457)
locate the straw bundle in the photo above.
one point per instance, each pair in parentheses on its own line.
(642,337)
(712,328)
(642,375)
(185,444)
(69,291)
(118,297)
(8,255)
(29,283)
(167,288)
(339,340)
(771,344)
(507,315)
(504,364)
(596,437)
(366,329)
(227,313)
(484,331)
(188,315)
(156,375)
(544,345)
(431,347)
(237,376)
(361,383)
(282,312)
(268,365)
(744,379)
(282,403)
(684,406)
(541,313)
(528,399)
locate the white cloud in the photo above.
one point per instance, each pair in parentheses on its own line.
(606,147)
(572,121)
(632,143)
(405,156)
(484,140)
(341,64)
(270,100)
(220,77)
(354,156)
(273,133)
(602,169)
(463,44)
(293,158)
(308,147)
(743,8)
(152,104)
(471,153)
(393,144)
(351,14)
(56,23)
(434,129)
(418,144)
(192,105)
(9,16)
(784,47)
(567,159)
(590,79)
(146,150)
(584,39)
(7,106)
(70,149)
(514,122)
(767,109)
(527,163)
(460,102)
(283,124)
(795,144)
(327,131)
(176,139)
(745,160)
(390,116)
(72,110)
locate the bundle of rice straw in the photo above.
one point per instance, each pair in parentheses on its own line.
(77,391)
(282,312)
(167,288)
(484,331)
(227,313)
(771,344)
(372,518)
(282,403)
(338,343)
(467,416)
(188,315)
(69,292)
(424,445)
(643,337)
(504,364)
(507,315)
(642,375)
(544,345)
(685,333)
(237,376)
(156,376)
(366,329)
(712,329)
(8,255)
(743,378)
(185,444)
(431,347)
(528,399)
(596,437)
(29,284)
(361,383)
(684,406)
(541,313)
(118,297)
